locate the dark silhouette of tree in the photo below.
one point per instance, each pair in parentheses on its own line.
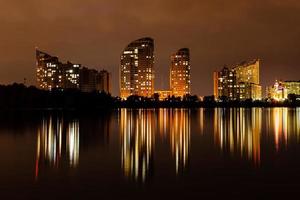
(20,97)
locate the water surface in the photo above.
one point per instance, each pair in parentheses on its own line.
(153,153)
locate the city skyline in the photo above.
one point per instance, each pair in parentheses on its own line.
(137,71)
(160,99)
(216,33)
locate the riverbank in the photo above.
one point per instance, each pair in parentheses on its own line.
(21,98)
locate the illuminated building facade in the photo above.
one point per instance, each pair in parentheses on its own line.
(180,77)
(249,91)
(292,87)
(276,91)
(248,72)
(136,69)
(238,83)
(225,84)
(282,89)
(70,75)
(53,74)
(163,94)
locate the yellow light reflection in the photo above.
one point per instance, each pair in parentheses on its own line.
(285,126)
(180,138)
(52,138)
(238,130)
(73,143)
(137,137)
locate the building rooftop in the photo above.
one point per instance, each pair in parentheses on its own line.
(246,63)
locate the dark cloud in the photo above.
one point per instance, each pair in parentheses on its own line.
(94,32)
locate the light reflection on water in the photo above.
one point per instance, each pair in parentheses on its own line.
(57,141)
(137,139)
(238,131)
(284,123)
(180,138)
(235,132)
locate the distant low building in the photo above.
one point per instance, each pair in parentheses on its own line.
(292,87)
(163,94)
(282,89)
(239,82)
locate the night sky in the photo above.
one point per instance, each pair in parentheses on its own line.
(94,33)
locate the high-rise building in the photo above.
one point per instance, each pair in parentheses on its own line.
(247,90)
(248,72)
(225,84)
(70,75)
(53,74)
(103,82)
(88,79)
(47,71)
(180,77)
(137,69)
(163,94)
(92,80)
(240,82)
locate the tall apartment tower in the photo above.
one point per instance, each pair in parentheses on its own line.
(104,82)
(92,80)
(137,69)
(180,77)
(225,84)
(47,68)
(248,72)
(51,73)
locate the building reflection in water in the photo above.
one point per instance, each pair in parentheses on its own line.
(175,124)
(285,126)
(138,129)
(137,137)
(238,130)
(180,131)
(201,121)
(57,143)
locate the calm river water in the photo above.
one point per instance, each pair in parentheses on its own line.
(151,154)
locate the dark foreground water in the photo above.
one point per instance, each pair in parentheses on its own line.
(151,154)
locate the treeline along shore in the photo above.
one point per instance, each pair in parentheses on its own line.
(20,97)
